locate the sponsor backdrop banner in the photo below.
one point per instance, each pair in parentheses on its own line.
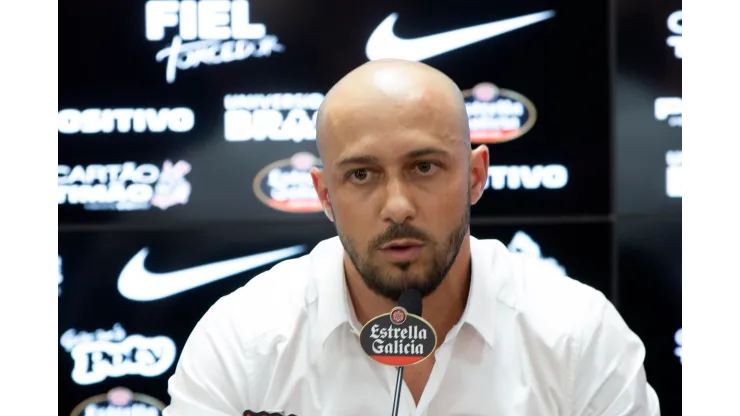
(647,110)
(129,299)
(227,92)
(186,133)
(647,119)
(649,258)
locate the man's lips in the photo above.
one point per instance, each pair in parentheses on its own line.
(401,244)
(402,250)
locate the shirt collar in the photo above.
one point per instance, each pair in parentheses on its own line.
(335,306)
(480,309)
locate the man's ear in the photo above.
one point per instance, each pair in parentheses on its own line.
(478,172)
(319,184)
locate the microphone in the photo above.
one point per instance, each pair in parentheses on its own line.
(411,301)
(399,338)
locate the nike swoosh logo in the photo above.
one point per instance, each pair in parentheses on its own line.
(139,284)
(383,43)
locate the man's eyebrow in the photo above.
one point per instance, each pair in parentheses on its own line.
(372,160)
(426,151)
(356,160)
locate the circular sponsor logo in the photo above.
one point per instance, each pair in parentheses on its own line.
(286,185)
(119,400)
(497,115)
(398,338)
(398,315)
(120,396)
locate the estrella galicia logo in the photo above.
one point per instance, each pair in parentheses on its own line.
(398,315)
(497,115)
(120,401)
(398,338)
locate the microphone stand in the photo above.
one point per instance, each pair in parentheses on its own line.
(397,397)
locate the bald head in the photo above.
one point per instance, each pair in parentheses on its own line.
(389,91)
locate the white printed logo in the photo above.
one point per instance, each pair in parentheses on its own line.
(211,32)
(524,244)
(383,43)
(124,187)
(671,109)
(61,276)
(674,173)
(678,351)
(527,177)
(675,26)
(273,117)
(286,185)
(139,284)
(102,354)
(125,120)
(497,115)
(119,401)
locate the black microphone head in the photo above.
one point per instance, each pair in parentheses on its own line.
(411,301)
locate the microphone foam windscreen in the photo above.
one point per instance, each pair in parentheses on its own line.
(411,301)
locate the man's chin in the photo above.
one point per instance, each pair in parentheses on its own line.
(423,286)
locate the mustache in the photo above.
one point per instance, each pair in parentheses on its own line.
(397,231)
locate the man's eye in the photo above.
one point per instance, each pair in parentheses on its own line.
(425,167)
(359,175)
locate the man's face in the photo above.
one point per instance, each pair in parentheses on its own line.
(398,189)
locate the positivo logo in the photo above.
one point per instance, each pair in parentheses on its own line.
(125,120)
(516,177)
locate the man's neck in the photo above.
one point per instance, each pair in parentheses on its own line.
(443,308)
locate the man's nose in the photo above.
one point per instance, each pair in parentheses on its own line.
(398,207)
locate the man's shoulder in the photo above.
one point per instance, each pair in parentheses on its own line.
(272,302)
(545,298)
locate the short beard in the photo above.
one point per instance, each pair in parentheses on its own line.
(392,287)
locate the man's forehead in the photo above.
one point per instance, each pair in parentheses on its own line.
(388,139)
(384,148)
(391,102)
(378,112)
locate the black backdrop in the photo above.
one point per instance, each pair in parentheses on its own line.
(211,165)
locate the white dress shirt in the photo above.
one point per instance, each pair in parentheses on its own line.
(530,342)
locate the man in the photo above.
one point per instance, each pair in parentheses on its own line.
(398,180)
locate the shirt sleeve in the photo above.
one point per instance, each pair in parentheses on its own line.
(609,377)
(209,378)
